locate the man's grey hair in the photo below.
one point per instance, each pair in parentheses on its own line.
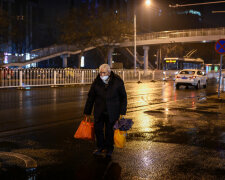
(105,67)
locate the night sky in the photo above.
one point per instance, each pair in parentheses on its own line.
(211,18)
(206,10)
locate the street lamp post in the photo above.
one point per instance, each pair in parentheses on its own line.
(147,3)
(135,46)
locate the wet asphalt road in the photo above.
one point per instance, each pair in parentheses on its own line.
(177,134)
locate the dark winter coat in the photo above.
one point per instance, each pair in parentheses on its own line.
(110,99)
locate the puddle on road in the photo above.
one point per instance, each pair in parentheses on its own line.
(200,110)
(207,107)
(154,111)
(200,127)
(146,136)
(189,136)
(197,110)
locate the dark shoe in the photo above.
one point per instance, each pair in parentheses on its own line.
(109,154)
(98,152)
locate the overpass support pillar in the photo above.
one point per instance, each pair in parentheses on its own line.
(64,58)
(146,48)
(110,56)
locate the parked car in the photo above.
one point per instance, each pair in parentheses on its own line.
(191,77)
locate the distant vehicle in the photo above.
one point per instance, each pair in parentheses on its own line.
(171,66)
(191,77)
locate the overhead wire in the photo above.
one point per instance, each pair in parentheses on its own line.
(195,4)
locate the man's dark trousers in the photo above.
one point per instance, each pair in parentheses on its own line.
(104,141)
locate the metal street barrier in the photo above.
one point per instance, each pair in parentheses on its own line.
(21,78)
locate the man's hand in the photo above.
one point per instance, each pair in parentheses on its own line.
(87,116)
(121,116)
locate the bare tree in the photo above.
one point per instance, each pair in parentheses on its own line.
(96,28)
(111,28)
(172,50)
(77,29)
(18,34)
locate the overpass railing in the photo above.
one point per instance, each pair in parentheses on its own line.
(40,53)
(181,33)
(21,78)
(57,49)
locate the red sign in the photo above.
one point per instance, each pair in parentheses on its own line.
(220,46)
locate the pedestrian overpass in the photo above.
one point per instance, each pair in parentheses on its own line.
(145,40)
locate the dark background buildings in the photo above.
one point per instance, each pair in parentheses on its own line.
(37,20)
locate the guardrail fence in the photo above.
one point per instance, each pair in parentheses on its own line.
(20,78)
(53,77)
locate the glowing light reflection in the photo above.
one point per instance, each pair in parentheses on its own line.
(143,91)
(144,122)
(193,105)
(147,160)
(169,92)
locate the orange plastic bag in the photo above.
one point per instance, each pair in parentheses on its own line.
(119,138)
(85,130)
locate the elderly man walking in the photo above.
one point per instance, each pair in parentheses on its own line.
(108,96)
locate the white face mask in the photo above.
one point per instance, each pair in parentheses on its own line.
(104,78)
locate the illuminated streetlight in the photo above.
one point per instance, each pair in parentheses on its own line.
(147,3)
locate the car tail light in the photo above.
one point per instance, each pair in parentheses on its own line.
(192,77)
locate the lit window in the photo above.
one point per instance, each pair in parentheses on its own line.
(82,62)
